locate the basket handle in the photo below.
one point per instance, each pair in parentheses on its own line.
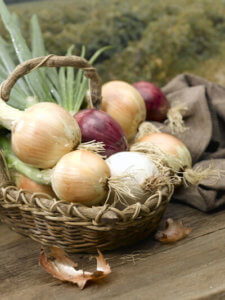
(56,61)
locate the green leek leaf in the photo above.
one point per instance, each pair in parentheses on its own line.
(23,53)
(9,65)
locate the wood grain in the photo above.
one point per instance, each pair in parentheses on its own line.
(193,268)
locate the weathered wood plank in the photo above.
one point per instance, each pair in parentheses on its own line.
(193,268)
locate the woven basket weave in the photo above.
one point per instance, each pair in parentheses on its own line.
(74,227)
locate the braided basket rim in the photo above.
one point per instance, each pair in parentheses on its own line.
(52,208)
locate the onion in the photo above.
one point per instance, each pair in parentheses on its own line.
(134,170)
(178,154)
(26,183)
(81,176)
(41,134)
(125,104)
(156,103)
(99,126)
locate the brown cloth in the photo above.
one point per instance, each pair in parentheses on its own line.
(205,136)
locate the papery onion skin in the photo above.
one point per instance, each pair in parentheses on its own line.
(99,126)
(169,144)
(26,183)
(156,102)
(43,134)
(81,177)
(125,104)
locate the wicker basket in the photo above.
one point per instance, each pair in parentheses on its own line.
(74,227)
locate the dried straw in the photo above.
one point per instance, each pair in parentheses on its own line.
(195,176)
(93,146)
(175,118)
(119,190)
(144,129)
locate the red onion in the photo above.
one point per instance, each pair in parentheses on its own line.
(155,101)
(99,126)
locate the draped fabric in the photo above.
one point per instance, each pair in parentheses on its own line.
(205,136)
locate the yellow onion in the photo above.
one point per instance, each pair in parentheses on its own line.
(178,154)
(81,176)
(125,104)
(26,183)
(43,133)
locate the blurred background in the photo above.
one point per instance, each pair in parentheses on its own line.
(152,39)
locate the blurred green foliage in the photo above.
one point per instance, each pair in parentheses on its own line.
(153,39)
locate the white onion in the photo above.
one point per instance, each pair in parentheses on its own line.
(133,169)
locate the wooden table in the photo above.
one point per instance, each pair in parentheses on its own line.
(193,268)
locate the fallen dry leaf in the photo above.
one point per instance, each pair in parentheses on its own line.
(173,232)
(62,268)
